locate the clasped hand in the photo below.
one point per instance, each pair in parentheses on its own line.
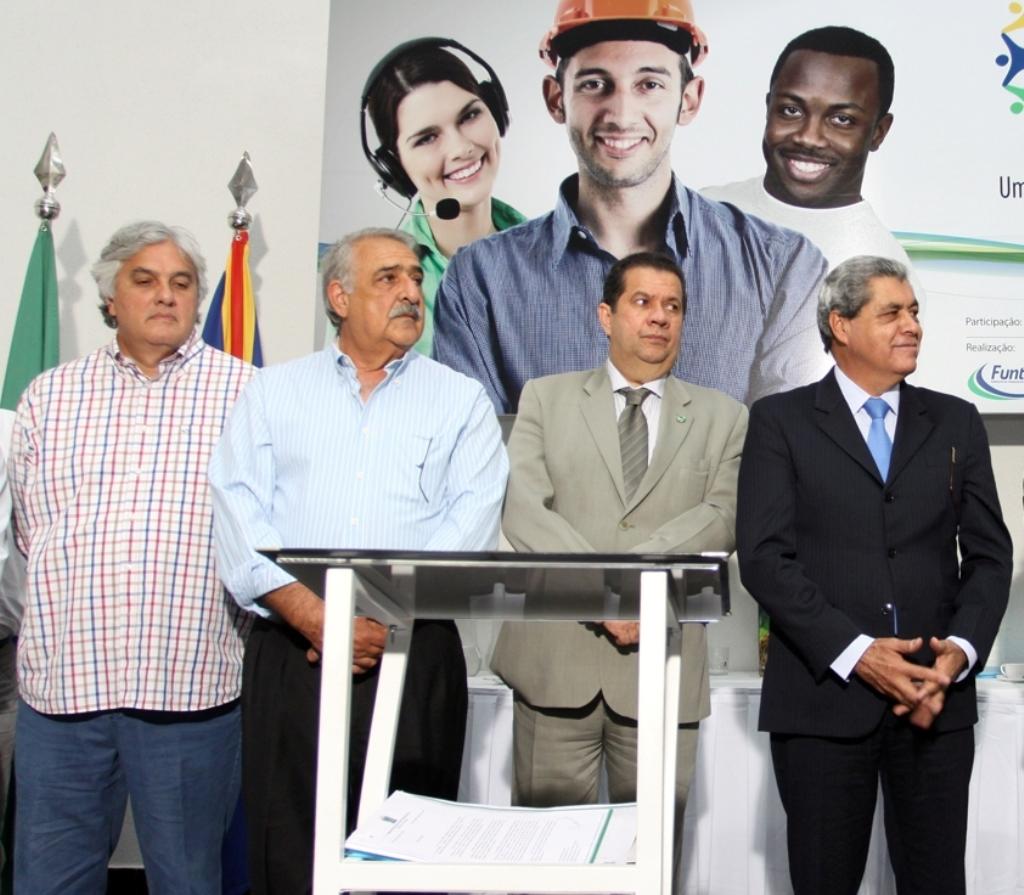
(623,634)
(304,611)
(916,690)
(368,640)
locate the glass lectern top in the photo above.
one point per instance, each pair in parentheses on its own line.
(516,585)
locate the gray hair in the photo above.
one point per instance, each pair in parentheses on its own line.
(336,264)
(847,288)
(132,239)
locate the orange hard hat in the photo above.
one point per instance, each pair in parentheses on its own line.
(677,30)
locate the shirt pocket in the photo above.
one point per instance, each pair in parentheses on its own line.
(426,450)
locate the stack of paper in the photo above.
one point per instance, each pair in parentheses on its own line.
(416,828)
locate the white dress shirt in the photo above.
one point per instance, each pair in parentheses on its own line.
(651,406)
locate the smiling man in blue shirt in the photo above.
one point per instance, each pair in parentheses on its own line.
(366,444)
(518,304)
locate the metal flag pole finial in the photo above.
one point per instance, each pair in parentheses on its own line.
(243,187)
(49,172)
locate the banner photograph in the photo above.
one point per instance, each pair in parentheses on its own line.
(867,129)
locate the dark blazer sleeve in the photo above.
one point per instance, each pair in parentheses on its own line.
(766,539)
(986,551)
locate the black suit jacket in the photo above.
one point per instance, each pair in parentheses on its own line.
(824,544)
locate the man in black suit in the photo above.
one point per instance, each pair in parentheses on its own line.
(855,494)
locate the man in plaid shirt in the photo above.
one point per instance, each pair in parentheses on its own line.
(130,652)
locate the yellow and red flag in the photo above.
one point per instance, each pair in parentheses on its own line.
(231,321)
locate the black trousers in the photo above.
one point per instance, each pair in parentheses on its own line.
(828,789)
(280,712)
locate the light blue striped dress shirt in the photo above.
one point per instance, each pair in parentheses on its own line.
(523,303)
(303,462)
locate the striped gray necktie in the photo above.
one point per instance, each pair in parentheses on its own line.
(633,438)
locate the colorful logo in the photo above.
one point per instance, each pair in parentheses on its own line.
(1013,59)
(997,382)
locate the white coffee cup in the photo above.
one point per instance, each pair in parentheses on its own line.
(1012,671)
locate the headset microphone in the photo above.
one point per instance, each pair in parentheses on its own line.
(446,209)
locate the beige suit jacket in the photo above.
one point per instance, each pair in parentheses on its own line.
(566,494)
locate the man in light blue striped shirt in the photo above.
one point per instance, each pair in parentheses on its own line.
(365,444)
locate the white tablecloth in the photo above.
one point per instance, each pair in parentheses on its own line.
(734,839)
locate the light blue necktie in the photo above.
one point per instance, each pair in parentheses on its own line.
(879,442)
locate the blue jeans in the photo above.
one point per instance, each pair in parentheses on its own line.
(75,772)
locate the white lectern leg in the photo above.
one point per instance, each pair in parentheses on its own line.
(380,748)
(673,670)
(335,699)
(655,776)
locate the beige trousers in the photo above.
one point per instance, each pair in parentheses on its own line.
(558,755)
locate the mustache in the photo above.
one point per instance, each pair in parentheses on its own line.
(405,309)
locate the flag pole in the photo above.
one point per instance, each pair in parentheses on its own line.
(231,322)
(242,187)
(35,341)
(49,172)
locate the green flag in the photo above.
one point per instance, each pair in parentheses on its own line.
(35,345)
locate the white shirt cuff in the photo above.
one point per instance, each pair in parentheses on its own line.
(849,657)
(969,651)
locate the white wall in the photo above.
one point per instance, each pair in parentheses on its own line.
(153,104)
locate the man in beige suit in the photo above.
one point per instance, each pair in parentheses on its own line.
(596,470)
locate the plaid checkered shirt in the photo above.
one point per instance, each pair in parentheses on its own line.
(108,470)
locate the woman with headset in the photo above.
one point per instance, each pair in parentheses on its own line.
(440,133)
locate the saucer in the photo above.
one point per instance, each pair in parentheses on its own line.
(1009,680)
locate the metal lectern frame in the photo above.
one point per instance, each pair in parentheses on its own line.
(397,587)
